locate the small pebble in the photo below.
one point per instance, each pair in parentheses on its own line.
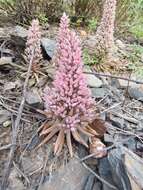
(7,123)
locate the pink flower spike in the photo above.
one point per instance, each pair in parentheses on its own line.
(64,83)
(69,100)
(33,43)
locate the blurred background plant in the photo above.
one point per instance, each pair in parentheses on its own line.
(129,17)
(22,12)
(135,58)
(92,24)
(84,10)
(89,59)
(43,19)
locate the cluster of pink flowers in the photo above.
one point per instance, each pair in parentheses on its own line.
(105,31)
(33,42)
(69,100)
(102,44)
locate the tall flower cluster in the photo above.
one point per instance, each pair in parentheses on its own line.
(103,42)
(105,32)
(69,100)
(33,43)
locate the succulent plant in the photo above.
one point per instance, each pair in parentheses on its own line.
(69,102)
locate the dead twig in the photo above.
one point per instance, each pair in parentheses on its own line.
(35,171)
(22,154)
(7,61)
(129,119)
(16,127)
(14,112)
(93,154)
(2,47)
(112,107)
(115,144)
(128,133)
(5,147)
(21,173)
(131,114)
(97,103)
(133,102)
(3,135)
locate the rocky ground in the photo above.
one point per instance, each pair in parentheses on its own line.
(119,103)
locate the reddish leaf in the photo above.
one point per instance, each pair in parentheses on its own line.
(99,126)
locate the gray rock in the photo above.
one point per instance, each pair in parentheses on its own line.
(69,177)
(114,82)
(82,150)
(97,186)
(118,122)
(93,81)
(127,169)
(134,168)
(140,146)
(105,173)
(19,35)
(108,138)
(9,86)
(49,46)
(118,171)
(90,182)
(87,68)
(33,98)
(131,144)
(20,31)
(136,93)
(12,85)
(122,84)
(116,94)
(99,92)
